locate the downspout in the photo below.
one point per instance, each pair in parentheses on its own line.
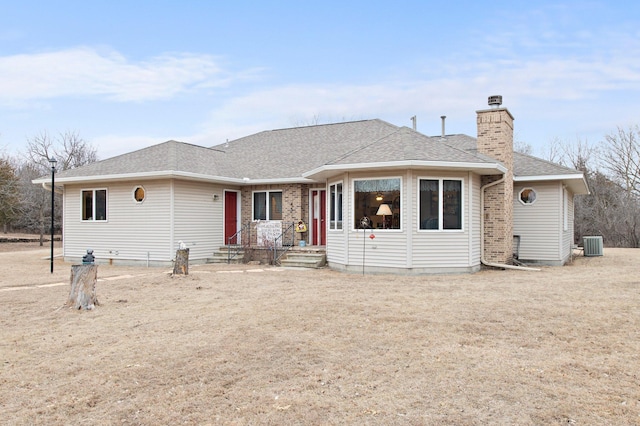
(482,259)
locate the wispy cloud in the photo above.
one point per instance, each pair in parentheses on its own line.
(84,71)
(545,84)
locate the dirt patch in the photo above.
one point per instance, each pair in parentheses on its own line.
(247,345)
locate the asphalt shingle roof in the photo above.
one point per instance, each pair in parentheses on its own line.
(528,165)
(288,153)
(406,145)
(166,156)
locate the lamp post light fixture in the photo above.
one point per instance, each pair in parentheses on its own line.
(53,162)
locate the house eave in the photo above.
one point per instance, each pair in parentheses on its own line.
(171,174)
(329,170)
(576,182)
(278,181)
(166,174)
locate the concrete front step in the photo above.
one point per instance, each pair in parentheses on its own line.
(304,260)
(222,256)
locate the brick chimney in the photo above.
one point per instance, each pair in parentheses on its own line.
(495,139)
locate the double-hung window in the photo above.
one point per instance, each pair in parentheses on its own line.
(267,205)
(335,206)
(94,204)
(440,204)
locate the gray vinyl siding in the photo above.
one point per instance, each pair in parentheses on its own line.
(337,238)
(172,211)
(388,248)
(198,218)
(539,224)
(408,247)
(568,236)
(448,248)
(132,230)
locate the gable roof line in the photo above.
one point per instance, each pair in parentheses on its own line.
(329,124)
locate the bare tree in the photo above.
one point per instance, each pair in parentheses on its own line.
(607,211)
(70,151)
(621,158)
(580,155)
(612,169)
(523,147)
(554,151)
(35,201)
(9,193)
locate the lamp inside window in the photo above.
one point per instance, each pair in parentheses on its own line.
(384,210)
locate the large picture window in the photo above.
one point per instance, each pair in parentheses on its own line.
(378,200)
(267,205)
(94,204)
(440,204)
(335,206)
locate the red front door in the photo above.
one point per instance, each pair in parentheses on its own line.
(230,217)
(319,208)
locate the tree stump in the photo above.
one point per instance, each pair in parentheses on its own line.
(181,267)
(83,287)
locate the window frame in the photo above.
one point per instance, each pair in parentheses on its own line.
(94,191)
(356,221)
(336,209)
(528,188)
(267,203)
(441,203)
(144,194)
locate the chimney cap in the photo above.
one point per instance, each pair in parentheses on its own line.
(495,101)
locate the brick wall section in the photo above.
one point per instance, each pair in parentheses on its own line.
(495,139)
(295,204)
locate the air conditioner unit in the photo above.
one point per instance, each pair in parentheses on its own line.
(592,246)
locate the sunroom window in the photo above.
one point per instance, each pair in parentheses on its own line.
(335,206)
(267,205)
(369,195)
(94,204)
(440,204)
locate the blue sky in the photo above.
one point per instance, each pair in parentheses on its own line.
(129,74)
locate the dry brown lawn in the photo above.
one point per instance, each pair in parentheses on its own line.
(260,345)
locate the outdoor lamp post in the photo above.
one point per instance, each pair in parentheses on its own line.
(53,162)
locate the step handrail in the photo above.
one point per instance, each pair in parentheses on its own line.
(246,242)
(276,256)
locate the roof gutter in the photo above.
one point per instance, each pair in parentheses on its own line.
(482,168)
(577,182)
(482,258)
(170,174)
(47,187)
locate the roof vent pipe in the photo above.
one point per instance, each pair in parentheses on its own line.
(414,119)
(443,117)
(495,101)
